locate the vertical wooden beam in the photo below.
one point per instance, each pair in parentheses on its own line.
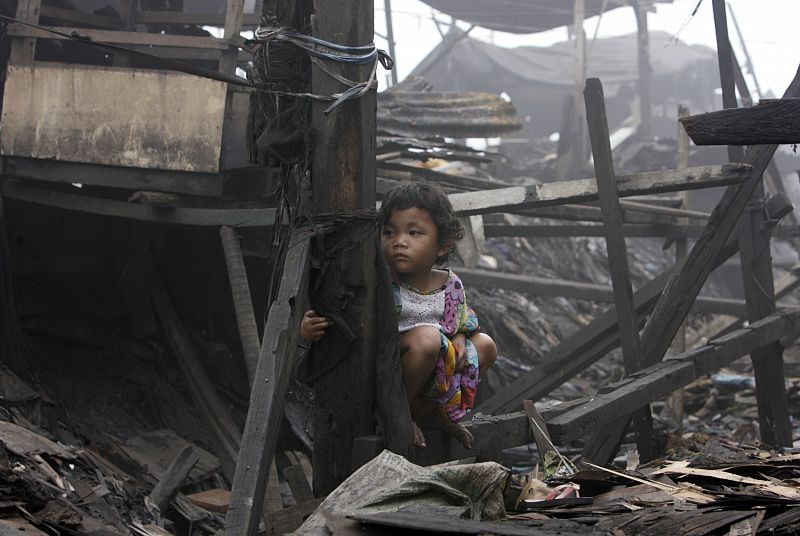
(579,111)
(234,15)
(387,5)
(681,249)
(643,52)
(242,300)
(10,334)
(756,262)
(616,249)
(268,397)
(343,179)
(24,49)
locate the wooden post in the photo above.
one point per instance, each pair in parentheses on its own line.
(343,180)
(234,14)
(242,300)
(756,262)
(10,333)
(643,51)
(681,249)
(617,252)
(23,50)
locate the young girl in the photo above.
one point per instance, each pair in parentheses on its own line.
(442,351)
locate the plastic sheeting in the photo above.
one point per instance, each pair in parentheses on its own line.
(390,483)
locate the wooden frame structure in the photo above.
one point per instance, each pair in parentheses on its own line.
(660,306)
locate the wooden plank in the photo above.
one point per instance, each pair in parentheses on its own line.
(668,211)
(114,116)
(58,171)
(298,483)
(24,50)
(627,319)
(589,214)
(262,217)
(242,299)
(492,434)
(773,121)
(756,261)
(343,180)
(416,522)
(121,38)
(192,19)
(268,397)
(234,14)
(177,472)
(543,286)
(518,198)
(658,380)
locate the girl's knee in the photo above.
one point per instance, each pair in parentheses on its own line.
(422,340)
(486,349)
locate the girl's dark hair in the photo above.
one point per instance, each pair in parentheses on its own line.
(430,197)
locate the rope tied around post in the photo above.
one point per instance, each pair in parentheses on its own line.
(319,52)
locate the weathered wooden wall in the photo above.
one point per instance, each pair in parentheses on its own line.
(123,117)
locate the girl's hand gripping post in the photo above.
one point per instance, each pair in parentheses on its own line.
(313,326)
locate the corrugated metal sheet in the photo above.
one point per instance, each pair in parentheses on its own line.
(444,113)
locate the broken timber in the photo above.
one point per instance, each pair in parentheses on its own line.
(680,291)
(659,380)
(770,122)
(267,398)
(518,198)
(627,320)
(599,337)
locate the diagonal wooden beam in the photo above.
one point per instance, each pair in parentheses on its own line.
(519,198)
(267,399)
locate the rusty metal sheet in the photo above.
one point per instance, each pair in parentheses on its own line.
(123,117)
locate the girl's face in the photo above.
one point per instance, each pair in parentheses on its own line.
(410,243)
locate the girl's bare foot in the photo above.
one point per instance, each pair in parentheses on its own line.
(419,438)
(459,432)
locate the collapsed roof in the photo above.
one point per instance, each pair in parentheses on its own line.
(538,78)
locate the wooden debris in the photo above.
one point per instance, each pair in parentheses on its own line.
(518,198)
(770,122)
(173,477)
(215,500)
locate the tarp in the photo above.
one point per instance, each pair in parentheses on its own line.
(520,16)
(539,78)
